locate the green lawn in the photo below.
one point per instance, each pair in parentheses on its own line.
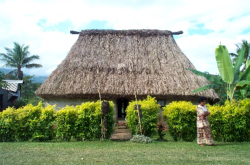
(101,152)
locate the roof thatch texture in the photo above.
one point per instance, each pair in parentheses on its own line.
(119,60)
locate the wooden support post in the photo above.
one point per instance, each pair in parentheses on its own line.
(105,111)
(138,108)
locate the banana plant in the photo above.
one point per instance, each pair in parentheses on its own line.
(230,77)
(216,83)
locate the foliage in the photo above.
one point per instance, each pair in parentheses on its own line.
(7,125)
(216,83)
(231,78)
(1,79)
(83,122)
(141,139)
(19,57)
(150,110)
(181,119)
(20,103)
(27,123)
(29,88)
(65,121)
(231,122)
(244,45)
(37,123)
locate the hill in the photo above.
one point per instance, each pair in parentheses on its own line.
(36,79)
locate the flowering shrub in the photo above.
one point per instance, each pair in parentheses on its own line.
(150,110)
(141,139)
(181,119)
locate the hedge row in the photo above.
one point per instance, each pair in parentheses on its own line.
(229,122)
(36,123)
(29,122)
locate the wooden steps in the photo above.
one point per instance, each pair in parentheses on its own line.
(121,132)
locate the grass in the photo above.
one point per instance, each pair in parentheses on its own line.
(109,152)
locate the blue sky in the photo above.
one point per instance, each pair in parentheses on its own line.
(45,25)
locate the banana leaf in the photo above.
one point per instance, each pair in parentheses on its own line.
(224,64)
(238,64)
(212,78)
(209,86)
(242,83)
(245,74)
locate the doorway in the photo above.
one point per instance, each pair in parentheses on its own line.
(122,105)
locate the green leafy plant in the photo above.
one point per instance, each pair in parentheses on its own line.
(230,77)
(7,125)
(230,122)
(27,123)
(150,110)
(181,119)
(83,122)
(141,139)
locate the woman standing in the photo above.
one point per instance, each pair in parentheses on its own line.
(204,134)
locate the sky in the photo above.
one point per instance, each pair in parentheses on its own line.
(45,25)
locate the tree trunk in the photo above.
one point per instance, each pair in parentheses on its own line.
(20,75)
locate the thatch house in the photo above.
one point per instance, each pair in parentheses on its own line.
(115,62)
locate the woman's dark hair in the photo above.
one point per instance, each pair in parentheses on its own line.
(201,99)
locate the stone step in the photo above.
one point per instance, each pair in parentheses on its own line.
(121,136)
(121,132)
(120,127)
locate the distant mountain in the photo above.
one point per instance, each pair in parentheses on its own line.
(39,79)
(36,79)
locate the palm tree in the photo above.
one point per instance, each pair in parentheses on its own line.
(245,45)
(19,57)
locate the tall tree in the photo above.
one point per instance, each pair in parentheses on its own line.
(244,45)
(19,57)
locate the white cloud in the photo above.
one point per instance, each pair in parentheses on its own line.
(228,19)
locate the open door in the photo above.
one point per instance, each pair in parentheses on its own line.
(122,105)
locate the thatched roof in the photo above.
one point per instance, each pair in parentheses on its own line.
(118,60)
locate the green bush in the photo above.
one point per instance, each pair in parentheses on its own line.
(216,121)
(45,128)
(37,123)
(83,122)
(27,123)
(27,120)
(181,119)
(231,122)
(65,122)
(150,112)
(7,125)
(20,103)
